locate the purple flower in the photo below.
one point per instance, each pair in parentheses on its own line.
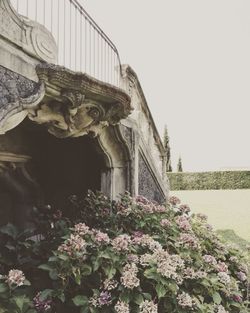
(41,305)
(241,276)
(237,298)
(104,298)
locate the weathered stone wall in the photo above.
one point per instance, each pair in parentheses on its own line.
(148,185)
(149,153)
(210,180)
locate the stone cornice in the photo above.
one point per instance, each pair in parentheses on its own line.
(58,78)
(68,104)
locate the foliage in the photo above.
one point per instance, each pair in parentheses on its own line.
(210,180)
(229,236)
(130,255)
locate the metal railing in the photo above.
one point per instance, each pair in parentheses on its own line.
(82,45)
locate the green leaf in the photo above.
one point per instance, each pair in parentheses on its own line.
(151,274)
(53,259)
(109,271)
(217,298)
(27,282)
(3,288)
(53,274)
(63,257)
(80,300)
(161,291)
(45,267)
(138,299)
(96,264)
(125,296)
(45,294)
(147,296)
(84,309)
(86,270)
(77,274)
(9,230)
(61,297)
(21,302)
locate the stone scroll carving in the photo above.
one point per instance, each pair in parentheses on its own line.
(77,104)
(68,104)
(30,36)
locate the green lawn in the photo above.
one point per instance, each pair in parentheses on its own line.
(226,209)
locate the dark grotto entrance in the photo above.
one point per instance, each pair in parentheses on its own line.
(65,167)
(36,168)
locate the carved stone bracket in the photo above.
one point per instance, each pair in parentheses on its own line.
(76,104)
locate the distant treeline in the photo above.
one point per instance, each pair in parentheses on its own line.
(209,180)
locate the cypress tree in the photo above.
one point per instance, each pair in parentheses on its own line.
(167,149)
(179,165)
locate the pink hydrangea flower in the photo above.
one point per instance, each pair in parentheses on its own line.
(121,243)
(101,237)
(174,200)
(15,277)
(183,223)
(165,223)
(184,208)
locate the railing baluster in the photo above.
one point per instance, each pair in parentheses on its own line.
(78,37)
(64,34)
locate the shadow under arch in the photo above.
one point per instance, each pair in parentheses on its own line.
(58,168)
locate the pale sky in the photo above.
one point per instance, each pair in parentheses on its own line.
(192,58)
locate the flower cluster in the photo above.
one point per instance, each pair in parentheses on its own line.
(129,277)
(142,257)
(148,307)
(41,305)
(148,206)
(174,200)
(122,307)
(81,229)
(101,237)
(104,298)
(189,241)
(167,264)
(73,245)
(185,301)
(15,277)
(224,278)
(183,223)
(121,243)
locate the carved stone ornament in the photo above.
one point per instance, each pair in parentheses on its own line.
(68,104)
(17,95)
(30,36)
(76,104)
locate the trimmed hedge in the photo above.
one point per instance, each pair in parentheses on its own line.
(209,180)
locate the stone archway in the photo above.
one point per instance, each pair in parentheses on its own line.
(74,142)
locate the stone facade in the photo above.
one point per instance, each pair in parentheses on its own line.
(43,106)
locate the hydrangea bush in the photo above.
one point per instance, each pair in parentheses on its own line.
(131,255)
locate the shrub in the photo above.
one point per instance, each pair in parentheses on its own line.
(131,255)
